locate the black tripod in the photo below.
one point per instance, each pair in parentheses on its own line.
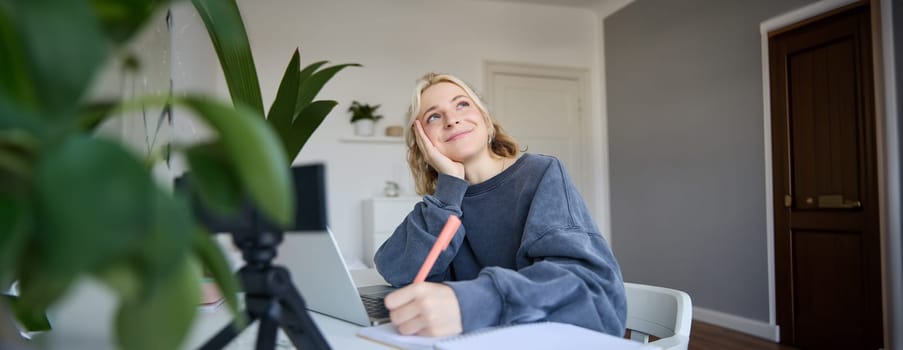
(270,297)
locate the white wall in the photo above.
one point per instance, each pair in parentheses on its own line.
(397,41)
(138,129)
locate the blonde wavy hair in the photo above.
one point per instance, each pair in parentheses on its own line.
(500,143)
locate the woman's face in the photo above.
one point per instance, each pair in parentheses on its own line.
(452,121)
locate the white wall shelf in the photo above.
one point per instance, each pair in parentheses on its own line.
(372,139)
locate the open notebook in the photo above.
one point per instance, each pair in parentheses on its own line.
(543,335)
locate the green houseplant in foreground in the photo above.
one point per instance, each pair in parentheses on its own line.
(73,205)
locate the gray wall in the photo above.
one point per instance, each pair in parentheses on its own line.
(684,83)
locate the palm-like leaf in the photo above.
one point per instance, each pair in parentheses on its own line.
(297,89)
(230,40)
(282,112)
(293,125)
(311,86)
(306,122)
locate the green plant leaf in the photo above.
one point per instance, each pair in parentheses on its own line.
(169,238)
(256,154)
(14,219)
(310,87)
(309,70)
(363,111)
(230,40)
(212,178)
(168,241)
(122,278)
(33,320)
(55,29)
(121,19)
(17,150)
(91,195)
(162,320)
(307,122)
(38,288)
(212,258)
(91,115)
(283,109)
(16,85)
(251,148)
(13,118)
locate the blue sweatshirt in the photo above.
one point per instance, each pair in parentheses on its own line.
(527,250)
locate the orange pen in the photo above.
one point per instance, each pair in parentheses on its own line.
(445,237)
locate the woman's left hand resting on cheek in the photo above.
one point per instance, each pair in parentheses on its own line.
(425,309)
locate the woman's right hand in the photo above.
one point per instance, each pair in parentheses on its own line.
(425,309)
(436,159)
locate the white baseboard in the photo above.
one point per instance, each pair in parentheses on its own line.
(740,324)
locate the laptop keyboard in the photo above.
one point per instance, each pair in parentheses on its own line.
(375,306)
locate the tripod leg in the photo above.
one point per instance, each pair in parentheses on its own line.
(226,335)
(296,322)
(270,297)
(266,332)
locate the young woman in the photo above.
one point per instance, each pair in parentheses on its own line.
(527,250)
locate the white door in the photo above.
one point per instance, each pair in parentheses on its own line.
(542,113)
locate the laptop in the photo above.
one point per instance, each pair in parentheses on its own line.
(318,271)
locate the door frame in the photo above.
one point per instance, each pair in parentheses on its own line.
(889,170)
(594,175)
(884,137)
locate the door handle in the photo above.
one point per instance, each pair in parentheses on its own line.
(845,205)
(836,201)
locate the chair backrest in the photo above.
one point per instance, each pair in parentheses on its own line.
(661,312)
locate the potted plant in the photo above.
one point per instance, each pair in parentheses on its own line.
(73,205)
(363,118)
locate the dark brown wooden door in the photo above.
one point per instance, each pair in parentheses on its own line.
(827,245)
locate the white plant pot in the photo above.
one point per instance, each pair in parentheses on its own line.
(363,127)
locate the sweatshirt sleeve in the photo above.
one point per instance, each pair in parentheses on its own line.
(565,270)
(399,258)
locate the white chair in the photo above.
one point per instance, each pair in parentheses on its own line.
(661,312)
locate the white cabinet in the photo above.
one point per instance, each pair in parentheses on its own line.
(381,216)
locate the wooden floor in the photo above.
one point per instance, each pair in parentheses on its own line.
(705,336)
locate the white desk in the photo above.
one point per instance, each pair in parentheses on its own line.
(84,320)
(339,334)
